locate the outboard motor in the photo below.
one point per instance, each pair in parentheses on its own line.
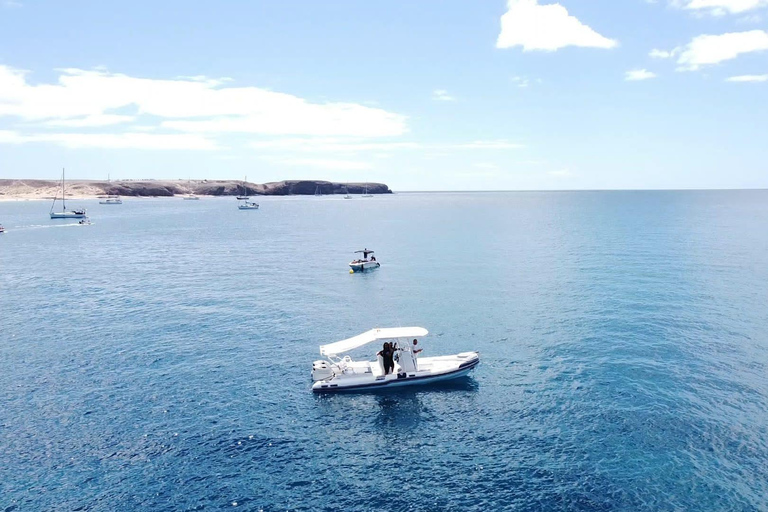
(321,370)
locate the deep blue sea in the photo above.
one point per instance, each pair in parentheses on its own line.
(159,359)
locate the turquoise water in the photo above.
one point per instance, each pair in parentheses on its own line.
(159,359)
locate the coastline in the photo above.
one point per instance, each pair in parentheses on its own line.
(28,189)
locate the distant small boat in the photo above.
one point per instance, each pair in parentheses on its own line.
(112,200)
(247,205)
(365,192)
(190,196)
(361,265)
(2,229)
(318,193)
(85,222)
(64,213)
(346,193)
(244,196)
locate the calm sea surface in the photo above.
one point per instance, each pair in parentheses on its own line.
(159,359)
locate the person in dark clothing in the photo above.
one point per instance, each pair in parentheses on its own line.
(387,354)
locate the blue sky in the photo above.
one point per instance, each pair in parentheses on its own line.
(428,95)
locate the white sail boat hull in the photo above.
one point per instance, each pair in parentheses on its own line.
(67,215)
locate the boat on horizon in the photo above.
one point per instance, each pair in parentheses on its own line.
(364,263)
(341,373)
(248,205)
(346,193)
(365,192)
(190,196)
(112,199)
(64,213)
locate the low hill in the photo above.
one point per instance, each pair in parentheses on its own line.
(42,189)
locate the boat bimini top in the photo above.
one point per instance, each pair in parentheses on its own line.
(340,347)
(365,253)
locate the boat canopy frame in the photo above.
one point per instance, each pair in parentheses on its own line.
(340,347)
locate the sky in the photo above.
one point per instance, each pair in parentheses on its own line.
(427,95)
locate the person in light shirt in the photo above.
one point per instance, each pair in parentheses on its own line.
(415,347)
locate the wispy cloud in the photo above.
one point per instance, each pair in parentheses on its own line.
(521,81)
(748,78)
(706,50)
(442,95)
(323,163)
(546,27)
(349,146)
(638,74)
(721,7)
(663,54)
(154,141)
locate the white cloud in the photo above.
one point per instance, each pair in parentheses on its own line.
(708,49)
(442,95)
(545,27)
(196,105)
(748,78)
(721,7)
(638,74)
(114,141)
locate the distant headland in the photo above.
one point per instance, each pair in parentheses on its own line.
(44,189)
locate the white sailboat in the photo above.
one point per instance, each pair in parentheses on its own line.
(365,192)
(244,196)
(64,213)
(318,192)
(346,193)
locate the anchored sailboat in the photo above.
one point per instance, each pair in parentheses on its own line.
(244,196)
(64,213)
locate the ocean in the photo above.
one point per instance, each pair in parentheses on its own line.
(160,358)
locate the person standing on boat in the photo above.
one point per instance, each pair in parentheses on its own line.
(414,348)
(387,355)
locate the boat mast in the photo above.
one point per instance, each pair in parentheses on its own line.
(63,197)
